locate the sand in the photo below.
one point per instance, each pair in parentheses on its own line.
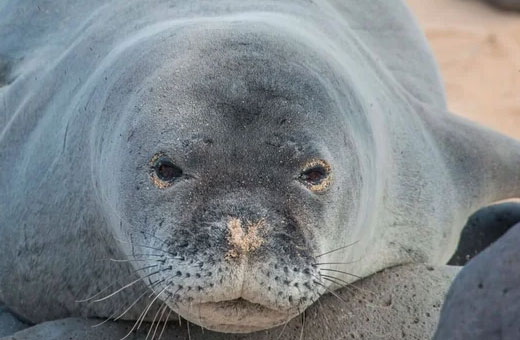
(477,48)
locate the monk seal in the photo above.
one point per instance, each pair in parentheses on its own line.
(236,159)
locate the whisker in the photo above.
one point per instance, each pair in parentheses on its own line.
(126,286)
(120,260)
(164,325)
(150,305)
(329,278)
(323,263)
(283,329)
(127,309)
(159,322)
(303,325)
(153,321)
(349,284)
(128,259)
(111,285)
(143,254)
(340,248)
(147,233)
(141,245)
(133,304)
(331,292)
(340,271)
(142,315)
(200,320)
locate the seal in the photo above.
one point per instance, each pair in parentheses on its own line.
(235,160)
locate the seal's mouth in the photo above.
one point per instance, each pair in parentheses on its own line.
(238,306)
(236,316)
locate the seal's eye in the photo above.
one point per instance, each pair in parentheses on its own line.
(164,172)
(316,175)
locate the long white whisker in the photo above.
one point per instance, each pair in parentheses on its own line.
(125,286)
(111,285)
(127,309)
(153,321)
(340,271)
(159,322)
(340,248)
(150,305)
(141,315)
(165,322)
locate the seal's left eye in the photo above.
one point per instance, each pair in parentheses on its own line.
(314,175)
(163,171)
(166,170)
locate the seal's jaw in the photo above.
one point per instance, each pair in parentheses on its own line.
(235,316)
(249,287)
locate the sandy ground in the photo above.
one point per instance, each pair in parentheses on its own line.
(478,50)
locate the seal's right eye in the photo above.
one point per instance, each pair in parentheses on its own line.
(164,172)
(316,175)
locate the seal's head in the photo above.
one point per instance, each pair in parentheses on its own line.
(233,170)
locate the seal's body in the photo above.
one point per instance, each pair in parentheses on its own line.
(237,154)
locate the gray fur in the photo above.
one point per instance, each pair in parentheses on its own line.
(240,94)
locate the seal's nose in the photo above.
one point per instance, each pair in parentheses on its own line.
(244,238)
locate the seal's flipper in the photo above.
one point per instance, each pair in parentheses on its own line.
(477,167)
(484,165)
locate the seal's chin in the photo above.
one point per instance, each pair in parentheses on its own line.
(235,316)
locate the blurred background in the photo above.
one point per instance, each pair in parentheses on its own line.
(477,48)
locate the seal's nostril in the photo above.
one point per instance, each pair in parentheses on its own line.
(242,240)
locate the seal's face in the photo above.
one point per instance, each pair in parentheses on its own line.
(232,182)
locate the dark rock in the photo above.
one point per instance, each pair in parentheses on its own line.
(483,228)
(484,301)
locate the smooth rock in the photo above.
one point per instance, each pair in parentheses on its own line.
(484,300)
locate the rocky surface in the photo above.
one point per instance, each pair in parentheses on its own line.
(483,228)
(8,323)
(400,302)
(484,300)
